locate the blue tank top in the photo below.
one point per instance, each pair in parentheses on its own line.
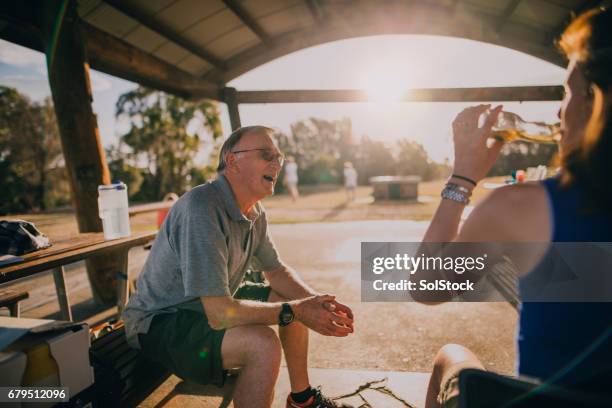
(569,344)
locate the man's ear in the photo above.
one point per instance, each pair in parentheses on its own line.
(231,163)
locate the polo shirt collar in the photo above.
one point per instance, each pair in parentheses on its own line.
(230,201)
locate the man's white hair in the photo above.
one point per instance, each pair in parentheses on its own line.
(233,140)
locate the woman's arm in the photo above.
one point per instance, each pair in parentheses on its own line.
(473,159)
(509,214)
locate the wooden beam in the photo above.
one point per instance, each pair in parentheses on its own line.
(68,73)
(116,57)
(21,25)
(129,10)
(231,99)
(440,21)
(584,6)
(249,21)
(106,53)
(315,11)
(506,14)
(119,58)
(492,94)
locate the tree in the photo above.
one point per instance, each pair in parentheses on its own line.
(165,136)
(319,147)
(520,155)
(32,166)
(121,169)
(414,160)
(374,158)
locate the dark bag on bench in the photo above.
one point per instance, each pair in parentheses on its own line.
(18,237)
(123,377)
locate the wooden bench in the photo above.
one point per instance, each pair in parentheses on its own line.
(123,377)
(11,298)
(71,249)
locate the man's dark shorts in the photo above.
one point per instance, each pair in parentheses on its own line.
(185,343)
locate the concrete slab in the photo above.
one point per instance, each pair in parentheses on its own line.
(407,386)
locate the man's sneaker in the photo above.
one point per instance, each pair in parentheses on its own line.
(317,400)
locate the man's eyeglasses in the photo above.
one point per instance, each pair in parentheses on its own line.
(266,154)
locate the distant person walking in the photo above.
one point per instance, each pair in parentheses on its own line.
(350,180)
(291,177)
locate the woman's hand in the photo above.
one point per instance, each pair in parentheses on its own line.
(473,158)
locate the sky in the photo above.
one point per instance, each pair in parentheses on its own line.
(387,63)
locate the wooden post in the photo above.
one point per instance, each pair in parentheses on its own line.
(229,96)
(68,72)
(70,87)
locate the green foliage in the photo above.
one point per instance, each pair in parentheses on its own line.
(31,162)
(413,160)
(200,175)
(165,135)
(120,169)
(373,158)
(319,147)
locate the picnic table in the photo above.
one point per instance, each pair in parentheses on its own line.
(73,248)
(395,187)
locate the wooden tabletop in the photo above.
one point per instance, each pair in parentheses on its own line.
(70,249)
(150,207)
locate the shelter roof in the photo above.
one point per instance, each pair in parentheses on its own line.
(214,41)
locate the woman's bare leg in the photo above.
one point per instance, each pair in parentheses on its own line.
(448,358)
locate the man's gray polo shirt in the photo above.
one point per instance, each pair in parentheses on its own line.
(203,249)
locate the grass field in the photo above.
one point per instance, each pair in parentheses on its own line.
(329,203)
(325,203)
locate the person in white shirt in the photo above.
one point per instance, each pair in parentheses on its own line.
(291,178)
(350,180)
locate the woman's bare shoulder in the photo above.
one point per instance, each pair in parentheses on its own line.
(517,212)
(519,197)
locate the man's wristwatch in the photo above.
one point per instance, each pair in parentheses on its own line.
(286,315)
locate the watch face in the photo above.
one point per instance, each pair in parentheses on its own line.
(287,317)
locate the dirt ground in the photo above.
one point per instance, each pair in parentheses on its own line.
(329,203)
(389,336)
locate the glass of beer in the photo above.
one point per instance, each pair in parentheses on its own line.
(510,127)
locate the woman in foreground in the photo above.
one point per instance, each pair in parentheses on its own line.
(569,344)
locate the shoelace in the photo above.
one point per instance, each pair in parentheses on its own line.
(321,401)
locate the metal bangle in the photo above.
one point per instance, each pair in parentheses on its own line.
(457,187)
(455,195)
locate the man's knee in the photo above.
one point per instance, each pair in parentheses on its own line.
(264,344)
(254,344)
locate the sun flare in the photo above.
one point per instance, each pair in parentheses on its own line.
(387,82)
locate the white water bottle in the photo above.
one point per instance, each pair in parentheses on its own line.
(114,210)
